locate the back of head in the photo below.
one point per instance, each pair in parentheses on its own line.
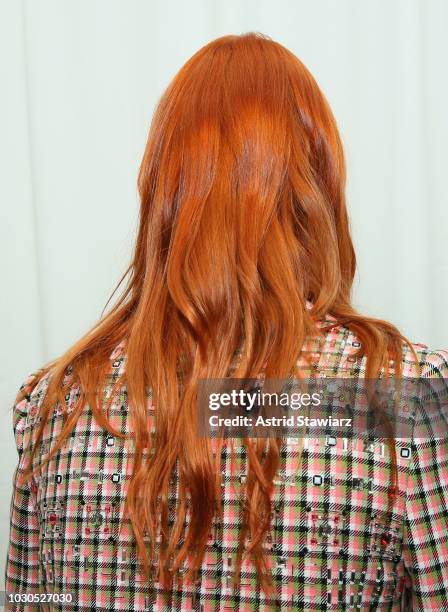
(242,188)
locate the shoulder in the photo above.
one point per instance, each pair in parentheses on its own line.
(27,403)
(433,363)
(32,392)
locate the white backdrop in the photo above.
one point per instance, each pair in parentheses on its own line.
(79,82)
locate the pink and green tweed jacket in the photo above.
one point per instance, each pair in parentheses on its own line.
(332,545)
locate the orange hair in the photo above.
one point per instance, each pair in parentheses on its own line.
(242,221)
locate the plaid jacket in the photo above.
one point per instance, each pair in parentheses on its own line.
(331,547)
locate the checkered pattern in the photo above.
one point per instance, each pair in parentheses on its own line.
(332,546)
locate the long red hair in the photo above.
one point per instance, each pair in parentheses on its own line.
(242,221)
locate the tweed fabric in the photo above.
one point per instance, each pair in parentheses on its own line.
(332,545)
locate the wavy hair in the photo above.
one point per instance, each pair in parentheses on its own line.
(242,221)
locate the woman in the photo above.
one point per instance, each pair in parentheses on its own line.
(243,265)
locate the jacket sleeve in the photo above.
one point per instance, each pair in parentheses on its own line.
(21,574)
(425,549)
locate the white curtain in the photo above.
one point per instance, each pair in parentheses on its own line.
(79,82)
